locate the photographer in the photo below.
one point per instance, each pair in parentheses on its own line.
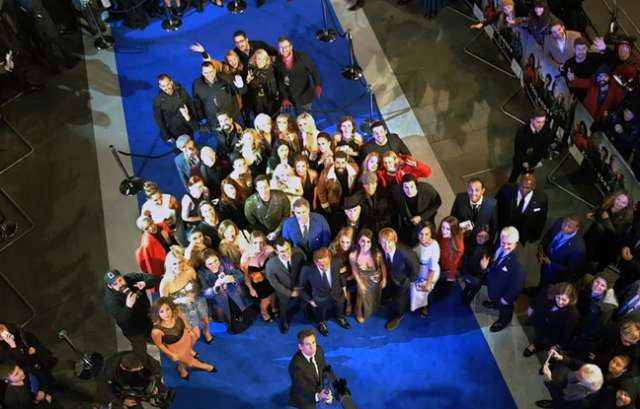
(26,350)
(126,302)
(135,378)
(571,384)
(306,370)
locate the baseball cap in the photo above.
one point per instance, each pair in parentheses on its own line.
(111,276)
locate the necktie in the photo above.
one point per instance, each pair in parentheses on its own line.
(521,205)
(289,266)
(313,362)
(499,257)
(557,242)
(388,257)
(325,278)
(474,211)
(305,233)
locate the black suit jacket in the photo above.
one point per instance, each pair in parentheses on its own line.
(530,147)
(295,85)
(404,267)
(530,223)
(567,262)
(305,382)
(279,276)
(320,293)
(428,203)
(487,214)
(254,45)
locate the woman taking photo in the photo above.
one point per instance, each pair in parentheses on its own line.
(610,222)
(180,284)
(252,265)
(370,272)
(428,251)
(223,287)
(175,337)
(325,153)
(451,243)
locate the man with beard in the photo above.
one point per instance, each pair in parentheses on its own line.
(126,302)
(334,184)
(603,95)
(229,133)
(245,47)
(213,93)
(384,141)
(173,110)
(376,206)
(583,65)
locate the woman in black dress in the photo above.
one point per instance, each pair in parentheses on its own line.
(252,265)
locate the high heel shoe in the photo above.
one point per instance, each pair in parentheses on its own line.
(210,340)
(213,369)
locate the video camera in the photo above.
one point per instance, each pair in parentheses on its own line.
(155,392)
(340,388)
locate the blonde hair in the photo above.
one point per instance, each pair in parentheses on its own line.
(388,234)
(262,53)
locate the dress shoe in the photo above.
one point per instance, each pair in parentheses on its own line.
(497,326)
(490,304)
(530,350)
(322,329)
(424,312)
(284,327)
(343,323)
(545,403)
(393,323)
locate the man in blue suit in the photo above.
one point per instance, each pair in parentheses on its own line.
(188,161)
(505,277)
(562,253)
(309,231)
(328,288)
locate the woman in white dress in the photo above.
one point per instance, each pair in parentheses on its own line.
(428,251)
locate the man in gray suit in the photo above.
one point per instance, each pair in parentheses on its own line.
(282,272)
(559,43)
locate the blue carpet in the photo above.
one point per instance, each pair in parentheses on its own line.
(441,362)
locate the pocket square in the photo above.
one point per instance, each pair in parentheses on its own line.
(504,268)
(537,209)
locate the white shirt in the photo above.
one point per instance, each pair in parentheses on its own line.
(478,203)
(527,199)
(315,364)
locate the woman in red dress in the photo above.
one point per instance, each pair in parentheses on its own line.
(451,243)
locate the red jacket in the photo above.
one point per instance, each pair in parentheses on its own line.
(420,170)
(611,102)
(150,255)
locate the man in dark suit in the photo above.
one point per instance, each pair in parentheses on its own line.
(562,253)
(383,141)
(306,370)
(309,231)
(375,203)
(402,269)
(283,272)
(473,209)
(328,288)
(530,145)
(629,264)
(505,277)
(523,207)
(294,72)
(188,161)
(416,203)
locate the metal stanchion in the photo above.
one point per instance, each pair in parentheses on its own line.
(103,42)
(131,185)
(366,125)
(352,71)
(326,35)
(237,6)
(171,23)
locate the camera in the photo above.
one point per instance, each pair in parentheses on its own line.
(340,387)
(155,392)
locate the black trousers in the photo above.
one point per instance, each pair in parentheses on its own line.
(505,312)
(287,304)
(399,298)
(324,308)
